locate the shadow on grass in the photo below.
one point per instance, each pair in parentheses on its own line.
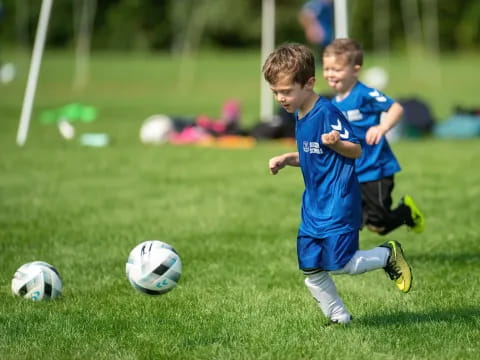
(467,315)
(444,258)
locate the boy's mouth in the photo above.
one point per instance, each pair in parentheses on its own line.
(332,83)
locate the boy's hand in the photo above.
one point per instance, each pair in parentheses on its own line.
(276,163)
(331,138)
(374,135)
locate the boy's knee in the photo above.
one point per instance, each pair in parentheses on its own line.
(317,279)
(376,228)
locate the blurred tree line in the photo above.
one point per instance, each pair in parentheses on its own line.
(180,25)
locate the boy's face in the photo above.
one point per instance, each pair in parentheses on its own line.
(340,75)
(291,95)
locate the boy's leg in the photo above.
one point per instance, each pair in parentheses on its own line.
(388,256)
(365,260)
(417,220)
(323,290)
(377,202)
(406,213)
(314,255)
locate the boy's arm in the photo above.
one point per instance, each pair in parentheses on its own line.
(279,162)
(345,148)
(391,118)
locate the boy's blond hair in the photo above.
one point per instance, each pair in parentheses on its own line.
(295,59)
(349,49)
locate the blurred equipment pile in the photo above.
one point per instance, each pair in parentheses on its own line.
(464,123)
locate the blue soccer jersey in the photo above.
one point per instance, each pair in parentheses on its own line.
(363,108)
(331,203)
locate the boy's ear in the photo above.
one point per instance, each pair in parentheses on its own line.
(357,68)
(311,82)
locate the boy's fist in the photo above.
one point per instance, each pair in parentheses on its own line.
(331,138)
(275,164)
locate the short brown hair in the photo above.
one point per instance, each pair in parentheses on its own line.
(295,59)
(348,48)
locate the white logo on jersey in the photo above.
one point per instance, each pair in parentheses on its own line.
(306,148)
(377,96)
(354,115)
(312,147)
(345,134)
(338,128)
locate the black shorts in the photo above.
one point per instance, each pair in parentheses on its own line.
(377,201)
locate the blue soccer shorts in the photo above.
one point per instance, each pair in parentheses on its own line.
(328,254)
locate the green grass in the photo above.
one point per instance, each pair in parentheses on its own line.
(240,295)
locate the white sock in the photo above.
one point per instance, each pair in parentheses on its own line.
(323,289)
(365,260)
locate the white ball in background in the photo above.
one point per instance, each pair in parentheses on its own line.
(37,281)
(156,129)
(7,73)
(376,77)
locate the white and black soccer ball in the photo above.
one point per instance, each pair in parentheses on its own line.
(37,281)
(153,267)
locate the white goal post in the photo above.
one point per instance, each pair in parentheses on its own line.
(341,18)
(34,70)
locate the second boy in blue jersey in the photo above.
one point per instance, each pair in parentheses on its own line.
(371,114)
(327,240)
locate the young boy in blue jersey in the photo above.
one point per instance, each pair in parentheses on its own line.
(327,239)
(371,114)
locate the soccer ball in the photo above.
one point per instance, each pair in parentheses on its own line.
(7,73)
(156,130)
(153,267)
(37,281)
(376,77)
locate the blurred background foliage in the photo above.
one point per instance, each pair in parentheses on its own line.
(180,25)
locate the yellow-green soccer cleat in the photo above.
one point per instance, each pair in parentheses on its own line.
(397,267)
(417,217)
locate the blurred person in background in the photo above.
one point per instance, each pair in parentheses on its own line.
(316,18)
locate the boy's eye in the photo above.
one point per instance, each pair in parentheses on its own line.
(283,92)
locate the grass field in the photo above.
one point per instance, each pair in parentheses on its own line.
(241,295)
